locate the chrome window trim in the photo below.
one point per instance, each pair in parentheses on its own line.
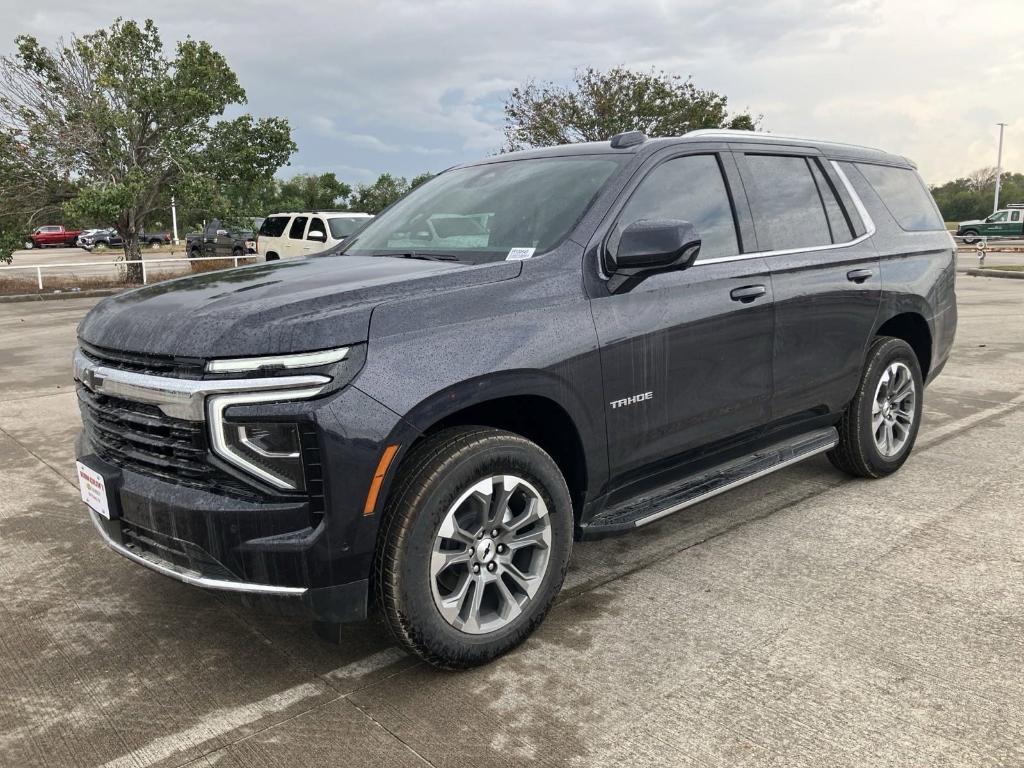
(181,398)
(298,360)
(189,576)
(215,406)
(858,204)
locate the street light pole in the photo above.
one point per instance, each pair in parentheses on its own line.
(999,168)
(174,220)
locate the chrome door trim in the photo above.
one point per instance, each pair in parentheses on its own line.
(858,204)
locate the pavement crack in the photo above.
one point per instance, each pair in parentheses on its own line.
(37,457)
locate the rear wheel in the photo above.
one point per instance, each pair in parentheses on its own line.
(474,545)
(879,427)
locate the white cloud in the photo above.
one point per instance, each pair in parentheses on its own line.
(409,85)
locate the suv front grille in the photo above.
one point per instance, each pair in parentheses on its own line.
(156,365)
(141,438)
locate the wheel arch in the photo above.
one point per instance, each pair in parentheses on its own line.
(912,327)
(528,406)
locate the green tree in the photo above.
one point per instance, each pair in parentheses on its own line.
(374,198)
(971,196)
(308,192)
(132,127)
(599,104)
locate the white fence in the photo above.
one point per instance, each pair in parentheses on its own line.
(146,264)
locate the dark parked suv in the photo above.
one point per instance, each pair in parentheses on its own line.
(540,347)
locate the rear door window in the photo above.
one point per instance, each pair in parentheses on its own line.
(692,189)
(838,224)
(298,230)
(786,204)
(904,195)
(274,226)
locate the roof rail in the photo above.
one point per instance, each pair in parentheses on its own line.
(733,133)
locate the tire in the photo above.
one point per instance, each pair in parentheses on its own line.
(237,253)
(100,246)
(195,253)
(970,236)
(439,472)
(862,450)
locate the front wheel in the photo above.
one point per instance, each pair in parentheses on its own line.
(474,545)
(970,237)
(880,424)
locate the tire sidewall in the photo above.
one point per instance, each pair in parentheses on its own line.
(451,480)
(893,350)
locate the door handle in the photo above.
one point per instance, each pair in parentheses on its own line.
(858,275)
(748,293)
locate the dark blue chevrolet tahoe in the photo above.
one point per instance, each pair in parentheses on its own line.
(534,349)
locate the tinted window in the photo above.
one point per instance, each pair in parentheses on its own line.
(838,224)
(904,194)
(689,188)
(274,226)
(344,227)
(315,226)
(787,208)
(298,228)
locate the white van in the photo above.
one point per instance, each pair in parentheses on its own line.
(304,233)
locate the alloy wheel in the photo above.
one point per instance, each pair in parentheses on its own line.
(893,409)
(490,554)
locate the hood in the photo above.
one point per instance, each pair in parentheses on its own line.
(272,308)
(972,221)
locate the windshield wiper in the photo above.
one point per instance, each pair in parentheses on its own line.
(421,255)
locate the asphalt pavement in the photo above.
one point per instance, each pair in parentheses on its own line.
(806,619)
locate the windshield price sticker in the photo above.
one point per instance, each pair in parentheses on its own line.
(518,254)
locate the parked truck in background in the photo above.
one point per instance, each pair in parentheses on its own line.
(219,239)
(52,235)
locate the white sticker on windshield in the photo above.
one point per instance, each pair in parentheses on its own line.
(518,254)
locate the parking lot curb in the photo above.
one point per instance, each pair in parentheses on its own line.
(996,273)
(61,295)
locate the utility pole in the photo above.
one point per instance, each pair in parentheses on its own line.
(174,220)
(999,167)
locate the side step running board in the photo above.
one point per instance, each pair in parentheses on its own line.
(708,483)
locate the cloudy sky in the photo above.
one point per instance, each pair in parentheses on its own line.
(412,85)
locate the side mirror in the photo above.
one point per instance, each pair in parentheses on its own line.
(652,245)
(318,235)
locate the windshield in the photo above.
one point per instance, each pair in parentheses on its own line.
(343,227)
(483,212)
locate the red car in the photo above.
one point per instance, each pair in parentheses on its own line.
(52,234)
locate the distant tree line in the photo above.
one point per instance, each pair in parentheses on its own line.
(971,196)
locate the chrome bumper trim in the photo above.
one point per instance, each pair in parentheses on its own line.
(191,577)
(178,398)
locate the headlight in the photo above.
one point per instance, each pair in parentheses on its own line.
(268,450)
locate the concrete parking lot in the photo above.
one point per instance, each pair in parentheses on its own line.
(806,619)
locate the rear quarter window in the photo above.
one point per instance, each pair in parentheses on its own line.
(904,196)
(274,226)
